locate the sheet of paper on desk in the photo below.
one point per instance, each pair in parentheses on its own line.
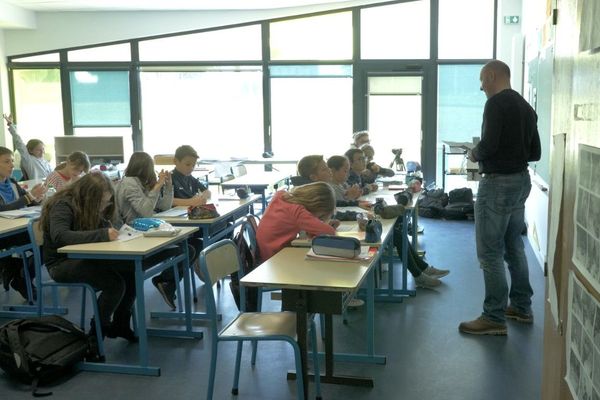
(366,253)
(22,212)
(173,212)
(347,228)
(127,233)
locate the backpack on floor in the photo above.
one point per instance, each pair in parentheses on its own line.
(431,203)
(41,350)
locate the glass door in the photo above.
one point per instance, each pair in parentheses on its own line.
(394,118)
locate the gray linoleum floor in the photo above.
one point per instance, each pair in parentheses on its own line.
(427,358)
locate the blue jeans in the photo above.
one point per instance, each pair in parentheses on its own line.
(499,221)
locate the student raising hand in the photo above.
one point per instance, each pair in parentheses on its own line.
(8,119)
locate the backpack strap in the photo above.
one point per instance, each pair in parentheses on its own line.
(14,340)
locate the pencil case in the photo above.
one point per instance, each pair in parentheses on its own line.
(144,224)
(336,246)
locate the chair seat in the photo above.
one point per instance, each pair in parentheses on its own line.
(261,324)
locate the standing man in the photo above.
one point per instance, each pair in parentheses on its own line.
(509,139)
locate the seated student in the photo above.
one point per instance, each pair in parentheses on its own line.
(13,197)
(373,169)
(188,190)
(357,166)
(82,213)
(33,164)
(345,194)
(69,171)
(138,195)
(307,208)
(313,168)
(359,138)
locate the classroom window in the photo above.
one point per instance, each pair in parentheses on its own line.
(115,52)
(217,110)
(50,57)
(466,29)
(243,43)
(399,31)
(325,37)
(38,106)
(100,98)
(313,113)
(460,107)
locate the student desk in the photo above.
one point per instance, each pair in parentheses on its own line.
(310,286)
(257,182)
(213,229)
(391,294)
(11,228)
(136,250)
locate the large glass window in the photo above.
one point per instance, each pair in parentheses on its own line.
(38,107)
(399,31)
(242,43)
(100,98)
(325,37)
(460,110)
(311,114)
(218,111)
(116,52)
(466,29)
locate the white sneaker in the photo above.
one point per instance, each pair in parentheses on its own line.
(426,281)
(436,273)
(354,303)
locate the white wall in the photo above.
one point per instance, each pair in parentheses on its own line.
(510,41)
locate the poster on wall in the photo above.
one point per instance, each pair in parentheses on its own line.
(583,342)
(586,254)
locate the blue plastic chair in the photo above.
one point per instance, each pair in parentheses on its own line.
(36,236)
(217,261)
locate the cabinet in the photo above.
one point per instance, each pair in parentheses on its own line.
(450,153)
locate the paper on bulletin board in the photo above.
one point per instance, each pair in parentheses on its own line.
(583,342)
(556,197)
(586,253)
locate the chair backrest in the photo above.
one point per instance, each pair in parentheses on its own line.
(164,159)
(217,261)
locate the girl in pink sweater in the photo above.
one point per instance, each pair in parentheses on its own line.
(307,208)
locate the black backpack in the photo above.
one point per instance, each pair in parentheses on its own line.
(460,204)
(250,260)
(41,350)
(431,204)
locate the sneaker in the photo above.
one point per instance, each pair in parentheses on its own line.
(355,303)
(427,282)
(513,313)
(482,326)
(436,273)
(166,290)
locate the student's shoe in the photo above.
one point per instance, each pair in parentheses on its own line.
(166,290)
(482,326)
(355,303)
(513,313)
(115,331)
(426,281)
(436,273)
(20,286)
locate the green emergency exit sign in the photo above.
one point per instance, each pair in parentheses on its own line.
(511,19)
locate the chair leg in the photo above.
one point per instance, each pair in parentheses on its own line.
(299,377)
(27,278)
(83,306)
(193,280)
(97,323)
(254,350)
(322,325)
(315,354)
(177,287)
(213,369)
(238,361)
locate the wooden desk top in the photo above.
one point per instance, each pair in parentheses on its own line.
(263,178)
(224,207)
(289,269)
(137,246)
(8,225)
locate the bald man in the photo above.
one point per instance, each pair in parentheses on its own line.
(509,140)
